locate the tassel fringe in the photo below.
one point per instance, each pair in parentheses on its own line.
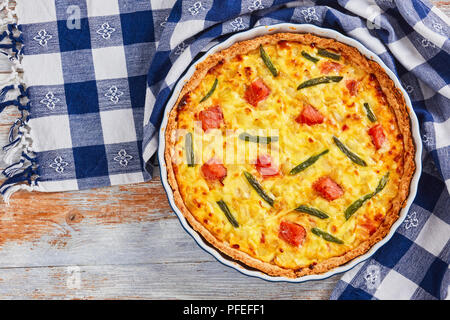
(21,171)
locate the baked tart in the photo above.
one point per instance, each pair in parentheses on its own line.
(290,153)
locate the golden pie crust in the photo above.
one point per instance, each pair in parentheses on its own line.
(395,101)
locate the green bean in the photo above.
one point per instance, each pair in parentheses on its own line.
(352,156)
(211,91)
(306,55)
(189,145)
(255,184)
(223,206)
(372,117)
(328,54)
(358,203)
(319,80)
(326,236)
(308,162)
(267,61)
(312,211)
(383,182)
(257,139)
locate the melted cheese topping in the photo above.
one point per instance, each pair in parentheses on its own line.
(345,117)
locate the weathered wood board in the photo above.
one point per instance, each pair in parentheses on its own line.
(119,242)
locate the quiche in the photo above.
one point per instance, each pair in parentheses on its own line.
(290,153)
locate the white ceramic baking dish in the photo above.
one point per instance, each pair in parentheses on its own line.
(297,28)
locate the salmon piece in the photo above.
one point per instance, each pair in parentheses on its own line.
(214,170)
(265,167)
(329,66)
(211,118)
(327,188)
(292,233)
(256,92)
(377,134)
(352,87)
(310,116)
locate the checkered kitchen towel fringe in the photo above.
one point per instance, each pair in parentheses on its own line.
(90,112)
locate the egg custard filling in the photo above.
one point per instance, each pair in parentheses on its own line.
(290,153)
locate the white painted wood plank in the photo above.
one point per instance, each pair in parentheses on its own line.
(207,280)
(163,260)
(158,241)
(5,65)
(118,252)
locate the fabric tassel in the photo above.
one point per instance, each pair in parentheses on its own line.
(13,169)
(13,142)
(11,145)
(7,194)
(4,91)
(11,130)
(22,170)
(22,176)
(15,184)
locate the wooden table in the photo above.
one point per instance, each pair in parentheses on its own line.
(121,242)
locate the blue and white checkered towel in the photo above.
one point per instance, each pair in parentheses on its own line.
(98,74)
(83,93)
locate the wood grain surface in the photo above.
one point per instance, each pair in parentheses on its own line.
(121,242)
